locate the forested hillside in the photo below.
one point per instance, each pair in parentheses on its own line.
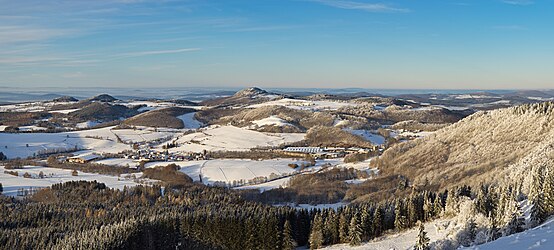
(474,150)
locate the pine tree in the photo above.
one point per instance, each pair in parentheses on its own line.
(316,234)
(437,206)
(471,231)
(343,228)
(548,190)
(537,185)
(422,239)
(400,220)
(355,232)
(378,222)
(287,239)
(516,223)
(538,211)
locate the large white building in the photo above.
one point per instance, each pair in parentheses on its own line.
(307,150)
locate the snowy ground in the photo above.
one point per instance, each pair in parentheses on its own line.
(368,135)
(103,140)
(189,121)
(272,120)
(230,138)
(541,237)
(304,104)
(229,170)
(120,162)
(54,175)
(404,240)
(30,106)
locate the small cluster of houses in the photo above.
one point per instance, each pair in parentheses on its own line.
(153,155)
(325,152)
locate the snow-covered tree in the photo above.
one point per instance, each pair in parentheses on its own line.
(422,242)
(355,232)
(287,239)
(538,211)
(516,223)
(316,234)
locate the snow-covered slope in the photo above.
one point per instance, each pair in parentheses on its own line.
(232,138)
(541,237)
(103,140)
(12,184)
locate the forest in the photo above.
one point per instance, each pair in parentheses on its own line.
(88,215)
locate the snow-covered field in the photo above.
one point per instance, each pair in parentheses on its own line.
(368,135)
(30,106)
(103,140)
(120,162)
(272,120)
(189,121)
(304,104)
(229,170)
(232,138)
(54,175)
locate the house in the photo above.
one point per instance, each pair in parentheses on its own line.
(83,158)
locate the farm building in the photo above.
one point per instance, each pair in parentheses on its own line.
(306,150)
(83,158)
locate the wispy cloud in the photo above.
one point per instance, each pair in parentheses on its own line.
(369,7)
(13,34)
(509,27)
(518,2)
(157,52)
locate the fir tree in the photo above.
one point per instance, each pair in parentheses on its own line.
(538,211)
(548,190)
(400,220)
(316,235)
(471,231)
(343,228)
(422,239)
(378,222)
(355,232)
(288,242)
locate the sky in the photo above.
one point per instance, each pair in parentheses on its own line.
(408,44)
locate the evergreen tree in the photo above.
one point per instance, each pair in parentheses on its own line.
(538,211)
(400,220)
(288,242)
(422,239)
(377,222)
(343,228)
(316,235)
(548,190)
(471,231)
(516,223)
(355,232)
(437,206)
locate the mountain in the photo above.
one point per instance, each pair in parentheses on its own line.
(250,92)
(477,149)
(103,98)
(65,99)
(98,111)
(243,97)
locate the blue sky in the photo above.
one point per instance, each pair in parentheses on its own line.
(446,44)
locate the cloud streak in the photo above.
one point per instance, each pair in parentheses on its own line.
(157,52)
(368,7)
(518,2)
